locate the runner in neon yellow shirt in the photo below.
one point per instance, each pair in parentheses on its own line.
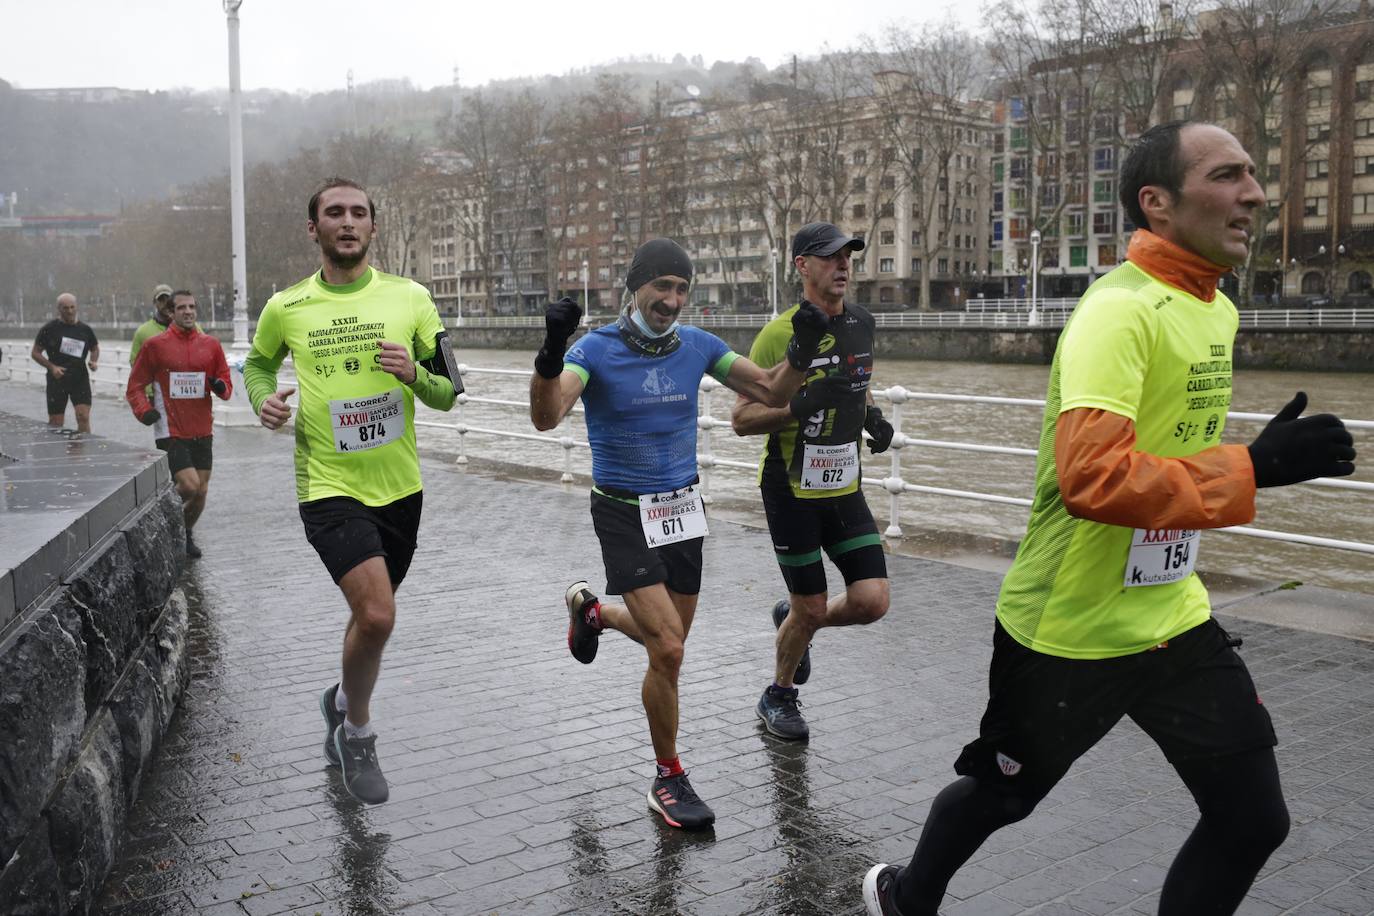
(355,335)
(1101,615)
(160,322)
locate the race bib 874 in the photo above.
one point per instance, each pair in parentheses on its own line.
(365,423)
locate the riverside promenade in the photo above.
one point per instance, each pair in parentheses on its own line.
(518,776)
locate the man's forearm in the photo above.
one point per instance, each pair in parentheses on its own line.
(753,419)
(545,397)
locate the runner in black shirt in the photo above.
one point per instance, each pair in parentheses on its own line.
(64,346)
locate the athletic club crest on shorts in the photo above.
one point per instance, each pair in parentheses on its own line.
(1008,766)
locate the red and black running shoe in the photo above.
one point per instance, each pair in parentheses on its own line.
(678,804)
(583,635)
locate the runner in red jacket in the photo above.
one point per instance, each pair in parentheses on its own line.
(184,366)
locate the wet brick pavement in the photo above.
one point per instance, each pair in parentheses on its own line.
(518,776)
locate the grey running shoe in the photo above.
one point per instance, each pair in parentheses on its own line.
(332,720)
(803,672)
(778,710)
(362,775)
(583,638)
(192,550)
(678,804)
(878,891)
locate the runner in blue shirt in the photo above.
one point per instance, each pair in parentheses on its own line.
(638,380)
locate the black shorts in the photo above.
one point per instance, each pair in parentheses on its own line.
(188,453)
(842,526)
(1193,696)
(344,532)
(72,385)
(630,562)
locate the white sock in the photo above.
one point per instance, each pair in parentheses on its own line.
(352,731)
(340,701)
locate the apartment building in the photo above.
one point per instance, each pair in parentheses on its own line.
(732,184)
(1056,158)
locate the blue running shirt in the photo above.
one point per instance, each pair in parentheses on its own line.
(641,410)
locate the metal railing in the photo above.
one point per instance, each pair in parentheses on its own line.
(114,368)
(1002,313)
(894,484)
(1046,317)
(110,377)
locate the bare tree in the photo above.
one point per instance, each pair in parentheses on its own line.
(921,97)
(1258,51)
(469,184)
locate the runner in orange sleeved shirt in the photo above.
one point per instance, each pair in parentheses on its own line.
(184,366)
(1102,615)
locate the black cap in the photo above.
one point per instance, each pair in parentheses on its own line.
(658,258)
(822,240)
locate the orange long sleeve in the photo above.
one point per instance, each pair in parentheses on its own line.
(1104,479)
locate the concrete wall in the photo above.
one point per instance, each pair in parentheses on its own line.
(1325,350)
(91,669)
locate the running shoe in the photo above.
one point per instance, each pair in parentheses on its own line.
(878,891)
(362,774)
(678,803)
(803,672)
(332,720)
(583,637)
(778,710)
(192,550)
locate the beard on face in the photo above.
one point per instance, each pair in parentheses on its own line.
(345,261)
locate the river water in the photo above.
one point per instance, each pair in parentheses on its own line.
(1342,514)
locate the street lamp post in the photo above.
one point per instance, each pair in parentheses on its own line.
(460,298)
(1034,317)
(586,304)
(773,281)
(1331,264)
(231,12)
(1335,271)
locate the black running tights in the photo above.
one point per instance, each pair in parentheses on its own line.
(1244,819)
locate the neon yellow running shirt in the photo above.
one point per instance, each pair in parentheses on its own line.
(846,350)
(355,423)
(1162,358)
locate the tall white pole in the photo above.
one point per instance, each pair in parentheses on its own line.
(231,11)
(460,294)
(586,306)
(1034,317)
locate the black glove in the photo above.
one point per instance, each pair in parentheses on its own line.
(879,429)
(560,321)
(150,416)
(1291,450)
(822,394)
(809,325)
(217,385)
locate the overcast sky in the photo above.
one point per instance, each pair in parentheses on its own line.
(312,44)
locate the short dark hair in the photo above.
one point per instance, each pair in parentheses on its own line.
(182,292)
(313,208)
(1156,158)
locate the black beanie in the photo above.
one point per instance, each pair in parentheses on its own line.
(658,258)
